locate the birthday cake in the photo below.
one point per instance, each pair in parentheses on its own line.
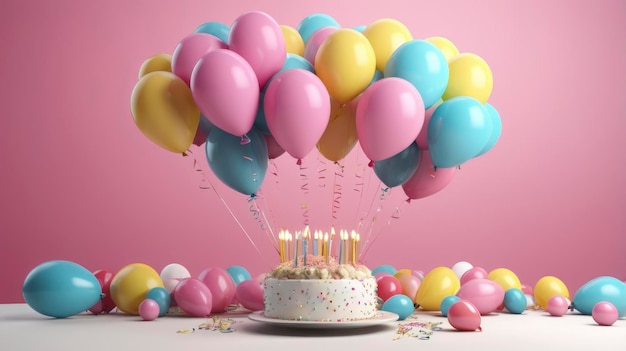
(320,290)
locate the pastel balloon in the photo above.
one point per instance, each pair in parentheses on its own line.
(389,117)
(527,289)
(485,294)
(496,129)
(549,286)
(106,303)
(386,35)
(446,303)
(221,285)
(458,130)
(397,169)
(313,22)
(388,286)
(293,41)
(239,274)
(604,313)
(315,41)
(194,297)
(474,273)
(217,29)
(400,305)
(226,90)
(448,49)
(162,297)
(469,76)
(603,288)
(131,284)
(424,66)
(174,270)
(515,301)
(461,267)
(190,50)
(384,268)
(464,316)
(345,63)
(409,284)
(557,306)
(273,149)
(148,310)
(242,167)
(339,137)
(427,179)
(505,278)
(60,289)
(297,110)
(436,285)
(164,110)
(422,137)
(154,63)
(249,293)
(258,38)
(170,284)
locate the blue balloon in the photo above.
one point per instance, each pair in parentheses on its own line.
(399,304)
(61,289)
(515,300)
(162,297)
(384,268)
(313,22)
(238,273)
(496,128)
(446,303)
(422,64)
(360,28)
(378,75)
(458,130)
(397,169)
(241,166)
(603,288)
(218,29)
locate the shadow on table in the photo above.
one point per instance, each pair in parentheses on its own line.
(280,330)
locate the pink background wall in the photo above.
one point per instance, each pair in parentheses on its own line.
(81,183)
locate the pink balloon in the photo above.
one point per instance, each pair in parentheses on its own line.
(379,275)
(315,40)
(485,294)
(148,310)
(527,289)
(474,273)
(190,50)
(388,286)
(273,149)
(250,295)
(463,315)
(422,137)
(222,287)
(193,297)
(258,38)
(604,313)
(410,284)
(297,110)
(226,91)
(427,180)
(389,117)
(557,306)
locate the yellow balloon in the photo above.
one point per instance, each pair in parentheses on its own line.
(386,35)
(469,76)
(345,63)
(547,287)
(293,40)
(403,271)
(505,278)
(131,284)
(340,136)
(158,62)
(164,110)
(448,48)
(436,285)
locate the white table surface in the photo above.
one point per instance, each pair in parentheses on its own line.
(21,328)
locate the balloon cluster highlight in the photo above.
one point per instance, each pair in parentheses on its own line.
(257,89)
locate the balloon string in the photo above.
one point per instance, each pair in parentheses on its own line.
(370,230)
(205,183)
(337,191)
(304,206)
(394,215)
(260,217)
(362,190)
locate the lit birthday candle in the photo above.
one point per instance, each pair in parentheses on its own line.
(316,237)
(289,239)
(353,248)
(304,244)
(281,245)
(295,251)
(341,246)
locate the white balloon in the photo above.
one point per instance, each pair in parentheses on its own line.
(530,301)
(461,267)
(170,284)
(174,270)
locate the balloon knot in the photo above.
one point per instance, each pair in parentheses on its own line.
(244,140)
(299,162)
(408,200)
(371,164)
(480,329)
(252,197)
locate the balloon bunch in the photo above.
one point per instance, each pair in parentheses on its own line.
(62,289)
(255,90)
(463,293)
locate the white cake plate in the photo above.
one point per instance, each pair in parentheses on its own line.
(380,318)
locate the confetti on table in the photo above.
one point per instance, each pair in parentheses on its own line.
(417,329)
(223,325)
